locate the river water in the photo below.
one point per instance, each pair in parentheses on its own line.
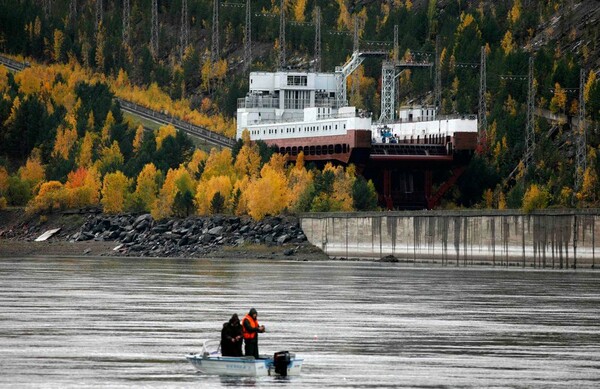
(130,322)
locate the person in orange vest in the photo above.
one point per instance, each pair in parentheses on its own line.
(250,331)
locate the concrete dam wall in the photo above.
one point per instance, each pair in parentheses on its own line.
(549,238)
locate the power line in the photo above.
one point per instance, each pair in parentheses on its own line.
(154,29)
(581,139)
(214,52)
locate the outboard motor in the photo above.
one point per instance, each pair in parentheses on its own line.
(281,360)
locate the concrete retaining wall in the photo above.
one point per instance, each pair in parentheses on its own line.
(551,238)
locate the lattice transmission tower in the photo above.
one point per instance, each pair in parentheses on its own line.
(126,16)
(581,140)
(530,128)
(355,49)
(282,60)
(248,37)
(317,65)
(154,30)
(214,52)
(482,114)
(184,36)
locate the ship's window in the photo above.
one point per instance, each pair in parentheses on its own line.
(344,126)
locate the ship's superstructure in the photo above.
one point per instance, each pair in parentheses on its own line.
(300,111)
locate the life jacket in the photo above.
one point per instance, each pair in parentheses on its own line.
(253,324)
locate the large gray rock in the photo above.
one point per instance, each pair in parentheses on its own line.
(216,230)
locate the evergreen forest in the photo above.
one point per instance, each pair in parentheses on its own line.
(65,143)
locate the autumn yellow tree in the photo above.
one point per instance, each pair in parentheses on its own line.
(58,46)
(33,171)
(219,163)
(51,197)
(299,9)
(248,160)
(111,159)
(83,187)
(86,150)
(66,137)
(206,191)
(508,45)
(115,192)
(269,194)
(299,179)
(177,181)
(146,191)
(109,122)
(164,132)
(138,139)
(559,100)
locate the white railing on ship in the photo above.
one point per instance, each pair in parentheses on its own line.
(273,102)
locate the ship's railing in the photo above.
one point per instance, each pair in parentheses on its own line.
(258,102)
(273,102)
(300,117)
(436,118)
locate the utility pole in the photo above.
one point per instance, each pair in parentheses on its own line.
(126,14)
(482,118)
(355,49)
(214,52)
(438,77)
(154,30)
(99,13)
(317,39)
(581,140)
(530,129)
(184,39)
(396,52)
(282,60)
(248,37)
(73,14)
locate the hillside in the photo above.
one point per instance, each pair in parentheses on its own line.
(560,35)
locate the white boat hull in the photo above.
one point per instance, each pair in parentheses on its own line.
(240,366)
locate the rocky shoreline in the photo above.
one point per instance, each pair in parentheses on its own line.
(131,235)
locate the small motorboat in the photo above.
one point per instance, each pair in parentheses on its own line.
(282,363)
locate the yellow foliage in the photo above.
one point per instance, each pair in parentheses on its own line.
(176,178)
(488,196)
(510,106)
(83,187)
(122,79)
(65,140)
(163,132)
(589,188)
(86,150)
(198,158)
(344,20)
(3,180)
(52,196)
(515,12)
(501,201)
(205,191)
(269,194)
(115,191)
(247,161)
(33,171)
(408,5)
(109,122)
(59,40)
(110,156)
(591,80)
(3,203)
(508,45)
(219,163)
(559,100)
(535,197)
(298,181)
(147,186)
(138,139)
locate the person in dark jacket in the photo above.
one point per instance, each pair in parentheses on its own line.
(231,337)
(251,329)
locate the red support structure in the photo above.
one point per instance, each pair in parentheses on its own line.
(434,200)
